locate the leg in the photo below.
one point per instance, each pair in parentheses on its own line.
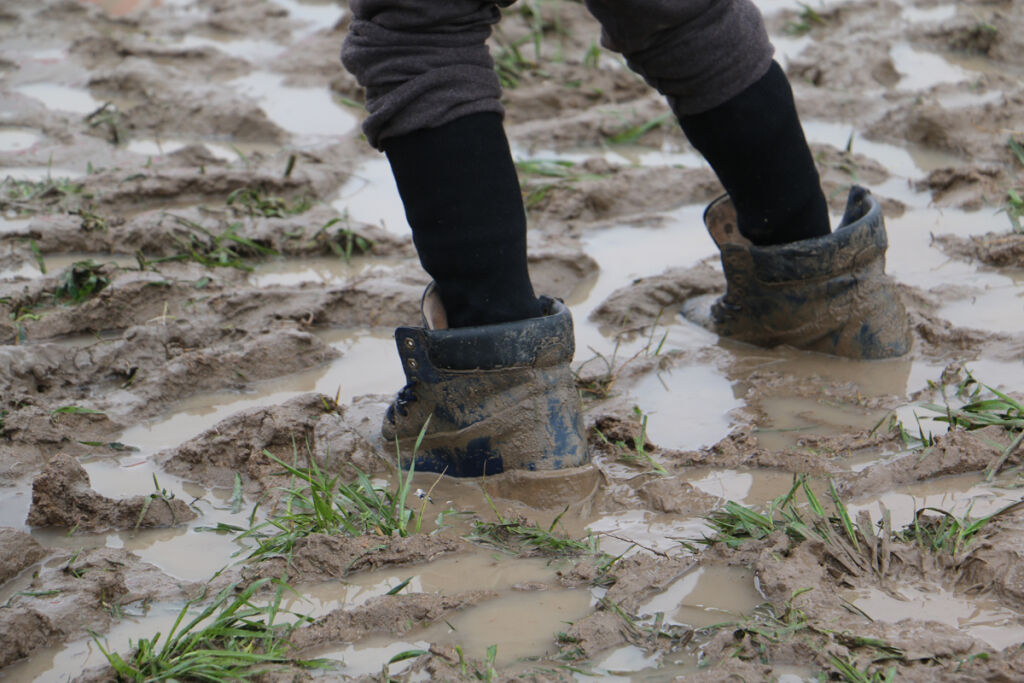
(713,63)
(494,379)
(790,281)
(433,98)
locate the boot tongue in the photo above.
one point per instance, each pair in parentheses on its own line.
(722,223)
(434,315)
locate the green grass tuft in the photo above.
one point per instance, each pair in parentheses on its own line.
(232,638)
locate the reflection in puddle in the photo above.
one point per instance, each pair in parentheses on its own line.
(959,100)
(322,15)
(523,623)
(480,570)
(321,270)
(749,487)
(621,155)
(619,531)
(370,196)
(65,662)
(367,657)
(256,51)
(981,617)
(8,225)
(706,596)
(303,111)
(790,419)
(368,366)
(903,161)
(961,495)
(37,174)
(226,152)
(928,14)
(997,308)
(16,139)
(688,407)
(922,70)
(61,97)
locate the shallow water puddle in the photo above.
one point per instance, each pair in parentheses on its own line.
(367,366)
(921,15)
(477,570)
(706,596)
(979,616)
(302,111)
(256,51)
(621,155)
(183,551)
(523,623)
(921,70)
(36,174)
(882,377)
(752,487)
(17,139)
(790,419)
(61,97)
(371,196)
(630,530)
(627,252)
(687,407)
(321,270)
(977,297)
(528,611)
(8,225)
(155,148)
(65,662)
(322,14)
(903,161)
(962,495)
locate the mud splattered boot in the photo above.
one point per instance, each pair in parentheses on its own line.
(827,294)
(499,397)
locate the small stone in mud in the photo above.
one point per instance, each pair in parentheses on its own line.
(62,496)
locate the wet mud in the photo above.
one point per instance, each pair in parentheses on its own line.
(201,262)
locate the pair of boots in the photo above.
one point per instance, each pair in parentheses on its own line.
(502,396)
(497,386)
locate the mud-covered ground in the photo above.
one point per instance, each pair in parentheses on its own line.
(201,262)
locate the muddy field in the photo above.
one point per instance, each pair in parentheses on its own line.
(201,262)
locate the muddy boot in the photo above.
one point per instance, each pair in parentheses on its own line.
(499,397)
(827,294)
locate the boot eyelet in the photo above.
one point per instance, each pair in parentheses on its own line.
(410,343)
(412,363)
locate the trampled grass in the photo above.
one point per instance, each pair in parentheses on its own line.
(995,408)
(231,638)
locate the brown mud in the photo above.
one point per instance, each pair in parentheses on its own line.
(201,262)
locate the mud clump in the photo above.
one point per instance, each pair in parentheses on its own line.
(18,550)
(62,497)
(998,251)
(648,299)
(320,557)
(955,453)
(305,428)
(77,594)
(601,192)
(386,614)
(969,188)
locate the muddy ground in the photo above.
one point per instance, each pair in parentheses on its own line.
(201,262)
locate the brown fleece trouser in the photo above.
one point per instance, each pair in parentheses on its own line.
(425,63)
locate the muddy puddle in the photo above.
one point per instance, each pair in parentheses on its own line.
(249,257)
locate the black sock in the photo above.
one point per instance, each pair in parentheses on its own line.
(757,148)
(463,201)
